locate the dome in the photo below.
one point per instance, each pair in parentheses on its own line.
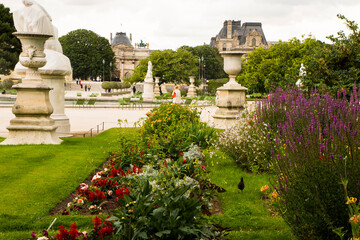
(121,37)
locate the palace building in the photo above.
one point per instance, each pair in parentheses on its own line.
(236,37)
(127,55)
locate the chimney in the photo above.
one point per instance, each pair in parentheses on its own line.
(130,37)
(110,38)
(229,29)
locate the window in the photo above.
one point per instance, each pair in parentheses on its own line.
(224,47)
(253,42)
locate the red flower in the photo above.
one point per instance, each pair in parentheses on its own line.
(148,144)
(105,231)
(63,233)
(184,161)
(96,222)
(181,153)
(165,163)
(321,158)
(180,140)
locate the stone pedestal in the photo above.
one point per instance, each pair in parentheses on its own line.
(230,98)
(157,88)
(53,74)
(192,89)
(57,99)
(32,123)
(148,94)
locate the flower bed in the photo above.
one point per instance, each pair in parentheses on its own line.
(157,192)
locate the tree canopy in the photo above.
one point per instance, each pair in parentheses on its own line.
(10,46)
(86,51)
(213,61)
(336,66)
(169,65)
(278,66)
(332,66)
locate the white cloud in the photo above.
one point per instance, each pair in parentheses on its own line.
(171,24)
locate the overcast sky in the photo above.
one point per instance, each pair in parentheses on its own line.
(169,24)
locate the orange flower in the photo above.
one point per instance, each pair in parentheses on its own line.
(264,188)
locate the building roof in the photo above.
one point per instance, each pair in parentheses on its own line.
(240,31)
(121,37)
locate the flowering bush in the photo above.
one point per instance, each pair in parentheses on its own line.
(171,128)
(247,143)
(315,149)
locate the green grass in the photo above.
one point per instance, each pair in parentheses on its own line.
(245,212)
(35,178)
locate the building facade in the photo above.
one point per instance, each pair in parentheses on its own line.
(127,55)
(236,37)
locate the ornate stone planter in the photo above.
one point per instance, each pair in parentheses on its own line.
(230,98)
(32,123)
(192,89)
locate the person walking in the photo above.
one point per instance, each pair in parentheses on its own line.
(176,95)
(85,87)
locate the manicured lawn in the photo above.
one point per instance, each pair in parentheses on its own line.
(245,212)
(35,178)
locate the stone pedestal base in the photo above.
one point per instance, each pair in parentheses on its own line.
(30,130)
(148,94)
(224,122)
(62,123)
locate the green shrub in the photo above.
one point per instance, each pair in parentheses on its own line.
(172,128)
(7,83)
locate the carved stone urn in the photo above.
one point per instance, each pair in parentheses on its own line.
(192,89)
(32,123)
(230,98)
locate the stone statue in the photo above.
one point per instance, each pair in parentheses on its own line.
(33,18)
(149,75)
(302,71)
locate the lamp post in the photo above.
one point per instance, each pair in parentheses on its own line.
(103,61)
(110,71)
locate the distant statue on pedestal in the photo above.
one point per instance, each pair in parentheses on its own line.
(302,74)
(302,71)
(149,75)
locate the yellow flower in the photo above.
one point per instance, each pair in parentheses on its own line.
(355,238)
(264,188)
(351,200)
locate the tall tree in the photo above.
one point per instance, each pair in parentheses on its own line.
(169,65)
(336,66)
(10,46)
(210,57)
(87,51)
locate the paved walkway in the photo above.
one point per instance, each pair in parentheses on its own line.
(83,119)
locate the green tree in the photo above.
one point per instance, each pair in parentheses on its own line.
(10,46)
(278,66)
(86,51)
(169,65)
(336,66)
(213,61)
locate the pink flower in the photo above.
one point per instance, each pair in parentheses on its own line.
(84,186)
(80,201)
(109,192)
